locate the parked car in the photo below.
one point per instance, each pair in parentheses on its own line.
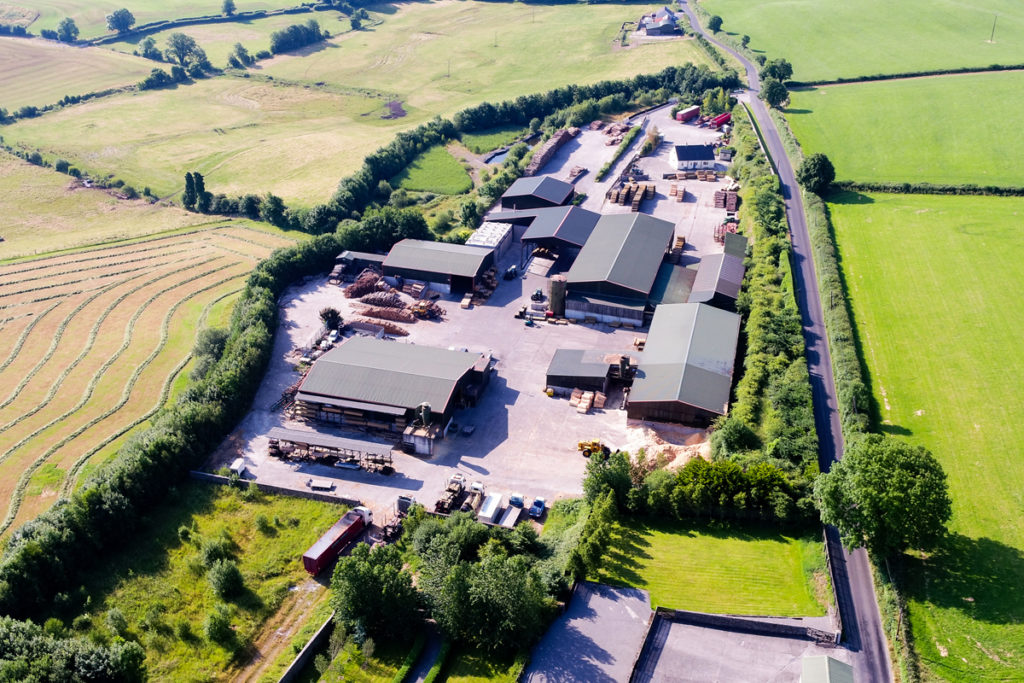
(537,509)
(517,500)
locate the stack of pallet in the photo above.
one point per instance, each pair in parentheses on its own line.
(676,253)
(732,201)
(719,199)
(599,400)
(637,196)
(673,189)
(414,289)
(574,397)
(613,195)
(649,191)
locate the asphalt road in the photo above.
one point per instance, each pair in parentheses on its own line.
(855,593)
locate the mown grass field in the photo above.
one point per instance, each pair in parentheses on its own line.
(730,569)
(934,285)
(93,341)
(466,665)
(937,130)
(218,40)
(487,140)
(91,15)
(434,171)
(41,72)
(159,583)
(828,39)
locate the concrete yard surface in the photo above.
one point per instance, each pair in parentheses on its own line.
(596,640)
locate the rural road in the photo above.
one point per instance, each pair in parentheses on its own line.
(855,593)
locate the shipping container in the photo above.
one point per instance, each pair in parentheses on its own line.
(330,545)
(688,114)
(491,508)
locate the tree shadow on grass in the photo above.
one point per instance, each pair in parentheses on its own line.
(977,576)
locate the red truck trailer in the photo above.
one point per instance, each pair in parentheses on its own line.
(690,113)
(344,531)
(721,120)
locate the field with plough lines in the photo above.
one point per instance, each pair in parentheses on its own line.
(91,343)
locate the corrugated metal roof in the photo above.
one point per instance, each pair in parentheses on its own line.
(544,187)
(578,363)
(824,669)
(389,373)
(328,441)
(695,153)
(688,357)
(623,249)
(437,257)
(735,244)
(717,274)
(490,235)
(673,284)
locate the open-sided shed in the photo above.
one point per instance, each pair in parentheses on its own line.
(447,267)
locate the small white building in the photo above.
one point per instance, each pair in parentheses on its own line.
(496,236)
(692,157)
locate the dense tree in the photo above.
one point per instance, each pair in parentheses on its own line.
(372,593)
(356,23)
(203,198)
(816,173)
(148,49)
(120,20)
(272,210)
(608,472)
(330,317)
(745,40)
(716,101)
(242,55)
(774,92)
(715,23)
(469,213)
(887,495)
(779,69)
(188,197)
(381,229)
(180,47)
(67,31)
(228,8)
(32,653)
(296,36)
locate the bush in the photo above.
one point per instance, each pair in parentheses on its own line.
(217,627)
(225,579)
(61,166)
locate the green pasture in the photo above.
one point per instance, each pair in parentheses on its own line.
(953,129)
(434,171)
(443,57)
(243,135)
(934,283)
(492,138)
(42,72)
(468,665)
(828,39)
(218,40)
(727,568)
(91,15)
(160,588)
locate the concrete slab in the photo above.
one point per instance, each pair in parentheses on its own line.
(597,640)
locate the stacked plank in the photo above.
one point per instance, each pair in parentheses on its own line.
(547,151)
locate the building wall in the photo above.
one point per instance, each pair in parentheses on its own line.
(527,202)
(670,411)
(579,310)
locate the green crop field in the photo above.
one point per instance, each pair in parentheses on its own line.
(827,39)
(434,171)
(90,15)
(159,583)
(299,140)
(218,40)
(487,140)
(41,72)
(728,569)
(937,130)
(933,282)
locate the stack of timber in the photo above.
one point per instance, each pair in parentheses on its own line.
(547,150)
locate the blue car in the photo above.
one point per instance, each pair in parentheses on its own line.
(537,509)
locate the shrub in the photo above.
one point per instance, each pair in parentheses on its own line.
(217,627)
(225,578)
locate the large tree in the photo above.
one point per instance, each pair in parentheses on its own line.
(779,69)
(715,23)
(774,92)
(67,31)
(816,173)
(373,593)
(228,7)
(121,20)
(180,47)
(887,495)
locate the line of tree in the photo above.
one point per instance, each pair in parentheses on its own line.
(67,31)
(29,652)
(16,30)
(297,36)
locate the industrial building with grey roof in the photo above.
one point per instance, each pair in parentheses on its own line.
(685,372)
(554,227)
(537,191)
(450,267)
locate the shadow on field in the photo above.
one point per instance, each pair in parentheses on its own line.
(977,576)
(895,430)
(849,198)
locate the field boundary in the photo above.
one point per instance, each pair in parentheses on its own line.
(994,68)
(754,624)
(307,651)
(157,26)
(930,188)
(270,488)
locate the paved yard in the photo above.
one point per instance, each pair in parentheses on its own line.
(596,640)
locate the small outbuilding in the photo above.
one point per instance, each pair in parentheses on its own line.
(692,157)
(685,373)
(578,369)
(448,268)
(536,192)
(720,276)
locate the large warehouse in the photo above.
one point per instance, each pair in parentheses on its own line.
(685,373)
(537,192)
(562,229)
(612,277)
(383,385)
(449,268)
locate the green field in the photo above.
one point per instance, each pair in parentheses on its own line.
(41,72)
(827,39)
(935,130)
(90,15)
(159,584)
(434,171)
(933,282)
(721,569)
(467,665)
(218,40)
(493,138)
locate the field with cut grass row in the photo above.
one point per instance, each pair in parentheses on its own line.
(934,285)
(949,129)
(91,343)
(828,39)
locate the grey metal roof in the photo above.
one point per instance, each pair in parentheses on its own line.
(735,244)
(695,153)
(388,373)
(673,284)
(569,224)
(578,363)
(544,187)
(437,257)
(346,403)
(688,357)
(328,441)
(824,669)
(359,256)
(623,249)
(717,274)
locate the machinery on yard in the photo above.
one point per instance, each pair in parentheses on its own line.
(451,498)
(589,448)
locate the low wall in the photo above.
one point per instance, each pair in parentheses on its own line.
(308,651)
(753,625)
(280,490)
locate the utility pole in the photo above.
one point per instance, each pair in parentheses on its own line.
(449,67)
(992,37)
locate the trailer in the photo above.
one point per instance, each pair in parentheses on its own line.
(490,510)
(347,529)
(511,516)
(688,114)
